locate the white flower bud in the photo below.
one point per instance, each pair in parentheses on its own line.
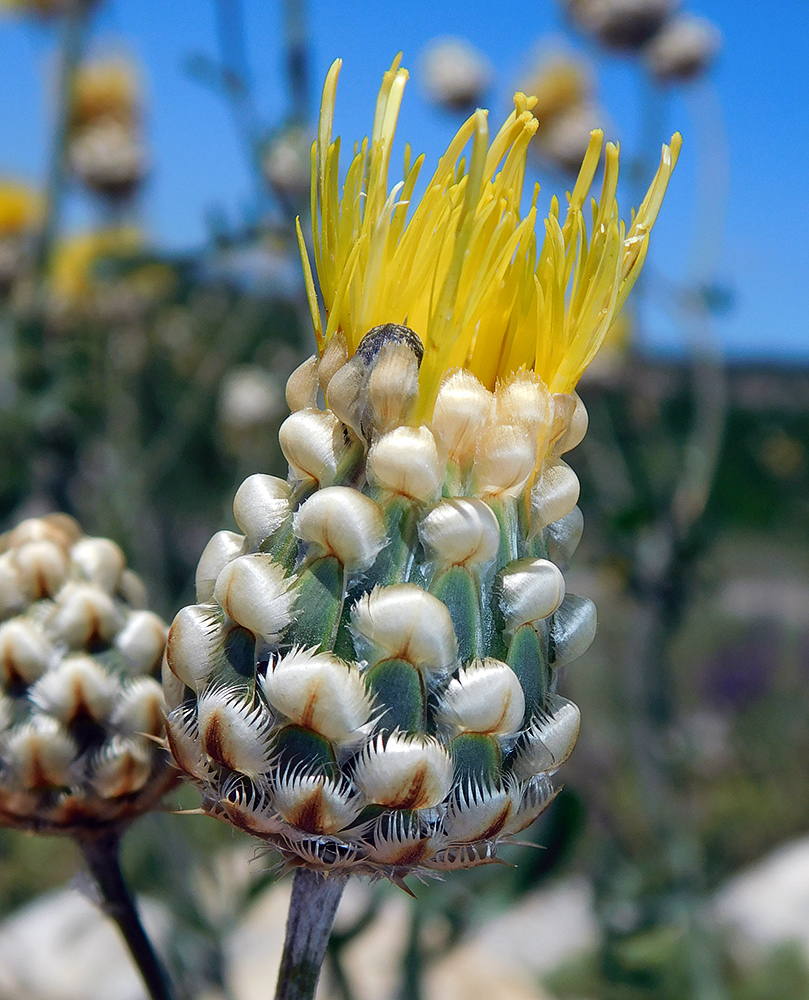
(301,389)
(195,644)
(173,687)
(400,840)
(24,651)
(553,495)
(61,529)
(312,441)
(564,536)
(78,686)
(254,592)
(235,730)
(140,708)
(314,803)
(141,641)
(319,691)
(404,622)
(261,506)
(100,561)
(538,793)
(84,614)
(404,772)
(122,766)
(505,460)
(462,408)
(182,736)
(343,395)
(40,753)
(42,567)
(12,597)
(485,697)
(223,546)
(406,461)
(531,590)
(550,739)
(344,523)
(460,532)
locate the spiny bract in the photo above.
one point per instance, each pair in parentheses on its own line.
(82,713)
(368,681)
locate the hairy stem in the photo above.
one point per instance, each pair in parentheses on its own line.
(101,856)
(311,915)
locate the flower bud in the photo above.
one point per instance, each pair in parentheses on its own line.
(404,772)
(554,494)
(320,692)
(406,461)
(406,623)
(254,591)
(220,550)
(478,813)
(575,428)
(391,388)
(564,536)
(312,442)
(531,589)
(12,597)
(344,523)
(621,24)
(460,532)
(485,697)
(525,400)
(261,506)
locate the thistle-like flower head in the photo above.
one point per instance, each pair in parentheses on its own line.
(82,713)
(368,681)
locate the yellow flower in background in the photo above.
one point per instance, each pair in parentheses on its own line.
(559,83)
(105,89)
(73,280)
(20,208)
(462,267)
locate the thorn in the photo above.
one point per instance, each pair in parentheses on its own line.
(189,812)
(399,880)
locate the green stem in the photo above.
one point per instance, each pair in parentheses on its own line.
(311,915)
(101,855)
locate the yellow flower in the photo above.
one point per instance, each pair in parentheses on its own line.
(20,208)
(106,89)
(462,267)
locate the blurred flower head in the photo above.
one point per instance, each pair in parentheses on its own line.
(683,49)
(108,158)
(287,162)
(74,278)
(620,24)
(105,89)
(20,208)
(455,74)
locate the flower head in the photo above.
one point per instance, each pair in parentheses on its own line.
(368,681)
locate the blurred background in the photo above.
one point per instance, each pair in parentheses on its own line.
(153,158)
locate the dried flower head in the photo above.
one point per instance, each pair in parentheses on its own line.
(368,681)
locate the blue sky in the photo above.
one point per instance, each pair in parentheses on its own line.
(761,82)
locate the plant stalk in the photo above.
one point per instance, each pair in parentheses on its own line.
(101,855)
(311,915)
